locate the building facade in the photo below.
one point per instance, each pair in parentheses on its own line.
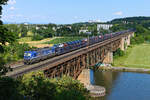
(104,26)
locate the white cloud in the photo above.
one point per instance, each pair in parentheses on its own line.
(118,13)
(78,18)
(12,16)
(75,17)
(12,2)
(12,8)
(19,15)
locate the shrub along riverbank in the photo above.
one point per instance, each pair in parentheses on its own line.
(136,56)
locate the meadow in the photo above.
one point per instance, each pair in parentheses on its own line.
(63,39)
(137,56)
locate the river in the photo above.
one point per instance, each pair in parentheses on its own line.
(123,85)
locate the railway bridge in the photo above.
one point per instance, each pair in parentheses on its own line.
(74,62)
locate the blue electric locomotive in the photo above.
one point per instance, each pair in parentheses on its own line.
(38,55)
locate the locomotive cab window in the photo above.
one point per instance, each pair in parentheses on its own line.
(27,54)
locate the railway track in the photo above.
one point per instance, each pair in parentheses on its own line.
(23,69)
(17,67)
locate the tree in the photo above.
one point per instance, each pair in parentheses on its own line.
(15,51)
(14,28)
(5,36)
(140,30)
(70,89)
(65,31)
(9,89)
(24,30)
(2,29)
(37,37)
(48,32)
(118,53)
(2,2)
(35,86)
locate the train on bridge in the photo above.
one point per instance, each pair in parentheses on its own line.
(38,55)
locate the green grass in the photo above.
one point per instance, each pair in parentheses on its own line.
(137,56)
(63,39)
(25,39)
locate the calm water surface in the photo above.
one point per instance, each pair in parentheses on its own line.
(123,85)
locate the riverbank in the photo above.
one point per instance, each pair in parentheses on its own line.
(125,69)
(136,56)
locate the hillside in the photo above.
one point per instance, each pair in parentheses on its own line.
(131,19)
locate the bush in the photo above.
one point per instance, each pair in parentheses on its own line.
(70,89)
(118,53)
(35,86)
(21,48)
(137,40)
(15,51)
(48,35)
(133,41)
(9,89)
(148,38)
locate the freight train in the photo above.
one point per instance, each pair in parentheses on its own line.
(38,55)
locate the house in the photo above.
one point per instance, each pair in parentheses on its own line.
(104,26)
(83,31)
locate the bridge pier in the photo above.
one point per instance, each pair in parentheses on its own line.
(128,39)
(132,35)
(125,41)
(108,58)
(122,44)
(86,77)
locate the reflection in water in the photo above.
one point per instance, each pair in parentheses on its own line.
(92,77)
(123,85)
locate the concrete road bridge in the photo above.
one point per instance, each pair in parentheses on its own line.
(74,62)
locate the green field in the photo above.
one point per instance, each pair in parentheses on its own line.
(25,39)
(47,41)
(137,56)
(63,39)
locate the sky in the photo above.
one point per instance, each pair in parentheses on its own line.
(72,11)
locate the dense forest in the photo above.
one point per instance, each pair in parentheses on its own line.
(131,19)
